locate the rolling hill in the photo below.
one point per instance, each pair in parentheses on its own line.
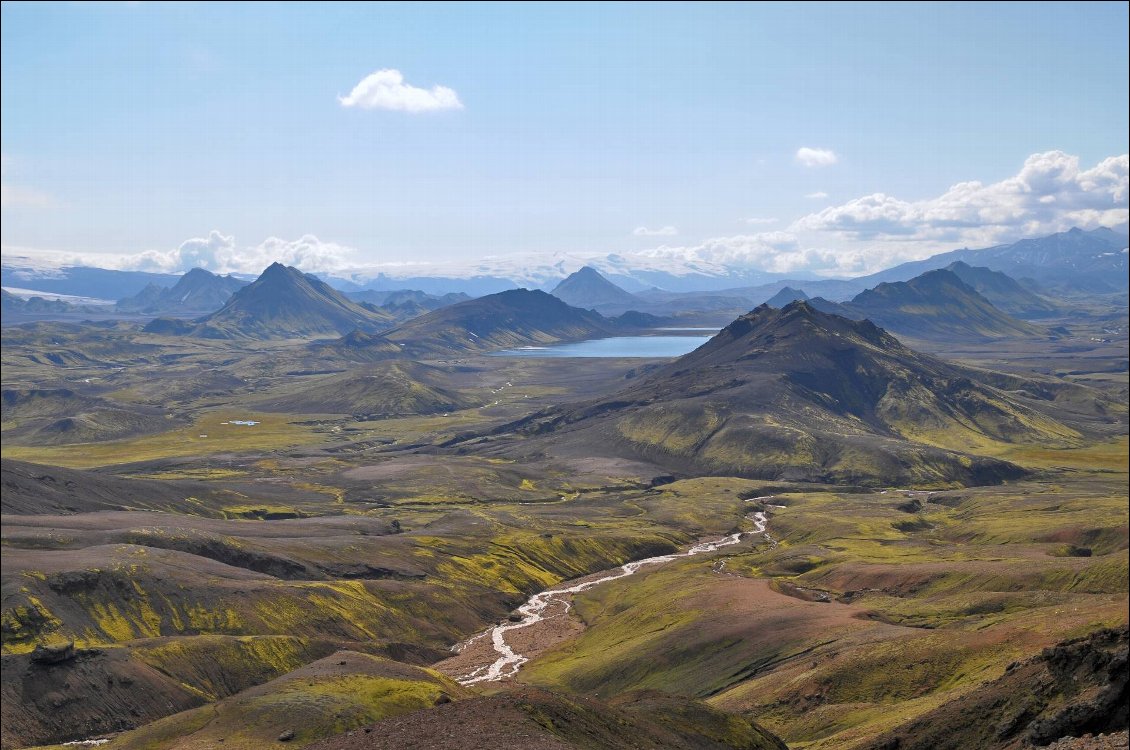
(797,394)
(383,390)
(537,719)
(286,303)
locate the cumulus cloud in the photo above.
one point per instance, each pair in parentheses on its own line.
(386,89)
(817,196)
(220,253)
(816,157)
(776,252)
(1051,193)
(667,231)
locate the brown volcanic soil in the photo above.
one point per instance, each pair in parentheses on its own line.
(536,719)
(1112,741)
(34,489)
(97,692)
(1074,688)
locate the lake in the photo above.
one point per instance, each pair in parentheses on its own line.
(617,346)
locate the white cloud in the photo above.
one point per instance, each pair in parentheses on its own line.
(758,220)
(386,89)
(667,231)
(217,252)
(817,196)
(1050,194)
(816,157)
(775,252)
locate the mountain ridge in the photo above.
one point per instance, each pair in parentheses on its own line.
(282,303)
(797,394)
(588,289)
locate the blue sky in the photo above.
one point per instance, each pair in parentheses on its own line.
(672,131)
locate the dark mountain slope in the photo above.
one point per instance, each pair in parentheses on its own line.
(587,289)
(286,303)
(518,317)
(1003,291)
(1075,688)
(386,389)
(402,296)
(1077,260)
(785,296)
(937,305)
(198,291)
(536,719)
(32,489)
(800,394)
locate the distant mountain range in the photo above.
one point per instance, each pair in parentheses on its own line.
(10,303)
(1092,261)
(282,303)
(405,304)
(198,291)
(937,305)
(798,394)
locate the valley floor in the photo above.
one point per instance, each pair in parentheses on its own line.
(311,573)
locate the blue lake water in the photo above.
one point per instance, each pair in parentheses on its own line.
(617,346)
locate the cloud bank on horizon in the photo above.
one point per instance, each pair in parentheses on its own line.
(1050,193)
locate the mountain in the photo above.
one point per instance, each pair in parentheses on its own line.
(587,289)
(1077,260)
(198,291)
(405,304)
(13,304)
(148,297)
(518,317)
(1003,291)
(21,310)
(785,296)
(937,305)
(797,394)
(397,297)
(286,303)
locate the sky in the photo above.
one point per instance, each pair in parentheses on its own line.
(811,139)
